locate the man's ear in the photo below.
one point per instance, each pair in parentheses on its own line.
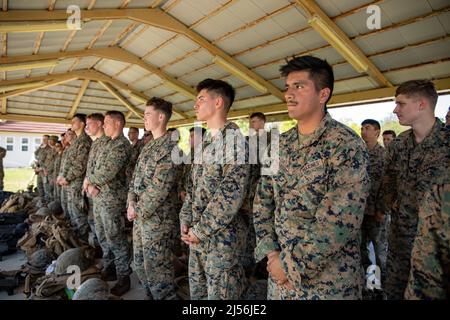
(324,95)
(220,103)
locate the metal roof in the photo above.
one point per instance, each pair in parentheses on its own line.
(150,48)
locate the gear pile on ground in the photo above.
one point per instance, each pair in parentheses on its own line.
(14,209)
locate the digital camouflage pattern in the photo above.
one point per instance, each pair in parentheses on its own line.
(40,154)
(429,277)
(63,189)
(410,170)
(213,210)
(96,147)
(50,177)
(154,190)
(371,229)
(135,152)
(311,211)
(73,169)
(110,204)
(256,153)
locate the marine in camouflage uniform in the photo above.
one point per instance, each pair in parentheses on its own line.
(64,189)
(135,151)
(311,211)
(410,169)
(48,165)
(255,156)
(213,210)
(2,173)
(73,169)
(56,167)
(372,229)
(154,190)
(40,155)
(429,277)
(109,177)
(97,146)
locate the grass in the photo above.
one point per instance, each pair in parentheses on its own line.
(18,178)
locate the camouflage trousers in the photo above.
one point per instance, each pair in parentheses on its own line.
(91,221)
(48,188)
(152,250)
(77,207)
(109,221)
(375,232)
(40,185)
(63,198)
(398,264)
(216,271)
(57,192)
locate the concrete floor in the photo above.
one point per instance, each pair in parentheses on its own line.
(16,260)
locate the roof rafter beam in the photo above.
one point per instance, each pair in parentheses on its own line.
(112,53)
(121,98)
(4,105)
(153,17)
(47,84)
(79,74)
(342,40)
(77,100)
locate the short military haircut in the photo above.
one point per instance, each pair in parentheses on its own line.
(46,135)
(193,128)
(372,122)
(419,88)
(320,71)
(259,115)
(391,132)
(220,88)
(117,115)
(97,117)
(133,128)
(54,138)
(162,106)
(81,117)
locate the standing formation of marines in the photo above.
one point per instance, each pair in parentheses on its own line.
(309,221)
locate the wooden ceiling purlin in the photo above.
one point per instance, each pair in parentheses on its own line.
(116,94)
(312,9)
(77,100)
(50,82)
(112,53)
(252,24)
(153,17)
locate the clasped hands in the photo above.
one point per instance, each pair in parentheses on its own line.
(276,271)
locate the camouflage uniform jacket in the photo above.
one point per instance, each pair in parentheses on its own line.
(48,162)
(311,211)
(429,277)
(409,170)
(109,168)
(57,164)
(73,169)
(135,152)
(41,155)
(218,190)
(377,160)
(155,180)
(97,146)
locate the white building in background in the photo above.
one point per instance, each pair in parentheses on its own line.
(21,139)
